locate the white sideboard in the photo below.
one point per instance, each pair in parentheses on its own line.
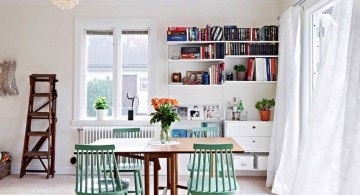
(254,137)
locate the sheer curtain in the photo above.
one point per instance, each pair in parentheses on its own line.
(330,159)
(286,127)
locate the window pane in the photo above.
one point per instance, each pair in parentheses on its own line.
(135,67)
(99,69)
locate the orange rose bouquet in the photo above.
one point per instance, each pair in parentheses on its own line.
(165,114)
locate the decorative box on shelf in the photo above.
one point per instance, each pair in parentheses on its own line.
(261,161)
(5,169)
(244,161)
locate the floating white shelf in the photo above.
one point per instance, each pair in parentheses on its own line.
(251,41)
(196,60)
(172,85)
(249,56)
(192,42)
(248,82)
(209,42)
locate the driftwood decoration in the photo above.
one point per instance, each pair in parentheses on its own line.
(7,78)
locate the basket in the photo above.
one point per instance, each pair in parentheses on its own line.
(5,169)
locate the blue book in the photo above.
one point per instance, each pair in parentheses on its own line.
(176,38)
(268,69)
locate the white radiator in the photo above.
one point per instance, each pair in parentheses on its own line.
(89,134)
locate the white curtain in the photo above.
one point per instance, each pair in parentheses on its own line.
(286,126)
(330,157)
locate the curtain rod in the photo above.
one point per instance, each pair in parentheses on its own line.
(299,2)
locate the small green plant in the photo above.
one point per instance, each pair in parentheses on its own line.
(240,68)
(265,104)
(101,103)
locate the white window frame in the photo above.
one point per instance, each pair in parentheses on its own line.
(117,25)
(307,50)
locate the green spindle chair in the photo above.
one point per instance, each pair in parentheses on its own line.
(91,177)
(209,180)
(130,164)
(203,132)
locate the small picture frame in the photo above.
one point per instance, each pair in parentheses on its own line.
(195,112)
(179,133)
(176,77)
(193,77)
(182,112)
(212,112)
(143,84)
(175,55)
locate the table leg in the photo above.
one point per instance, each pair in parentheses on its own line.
(173,183)
(156,176)
(168,170)
(176,173)
(147,174)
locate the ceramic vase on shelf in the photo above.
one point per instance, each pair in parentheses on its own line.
(165,134)
(265,115)
(101,113)
(240,76)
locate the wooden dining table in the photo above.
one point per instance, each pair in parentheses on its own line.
(150,151)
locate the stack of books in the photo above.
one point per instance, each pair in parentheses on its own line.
(177,34)
(262,69)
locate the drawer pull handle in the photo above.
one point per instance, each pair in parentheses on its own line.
(253,141)
(254,127)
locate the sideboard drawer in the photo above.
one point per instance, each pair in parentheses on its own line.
(234,129)
(253,143)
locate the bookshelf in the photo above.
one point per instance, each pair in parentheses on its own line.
(234,51)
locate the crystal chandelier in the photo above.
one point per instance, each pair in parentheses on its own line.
(66,4)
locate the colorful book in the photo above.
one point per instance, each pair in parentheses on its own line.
(268,69)
(273,69)
(250,69)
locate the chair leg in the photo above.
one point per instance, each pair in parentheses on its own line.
(140,183)
(136,184)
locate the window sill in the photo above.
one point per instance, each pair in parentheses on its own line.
(111,122)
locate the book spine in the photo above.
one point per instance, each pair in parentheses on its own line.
(268,69)
(177,29)
(249,69)
(273,69)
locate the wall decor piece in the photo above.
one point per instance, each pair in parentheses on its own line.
(7,78)
(196,112)
(212,112)
(177,133)
(182,112)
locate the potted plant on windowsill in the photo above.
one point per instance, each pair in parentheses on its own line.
(240,72)
(101,107)
(264,107)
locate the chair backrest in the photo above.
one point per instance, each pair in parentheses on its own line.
(91,165)
(126,133)
(205,132)
(219,176)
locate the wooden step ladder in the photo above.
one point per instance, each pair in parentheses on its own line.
(41,115)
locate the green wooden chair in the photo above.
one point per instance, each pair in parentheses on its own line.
(91,178)
(202,132)
(209,180)
(130,164)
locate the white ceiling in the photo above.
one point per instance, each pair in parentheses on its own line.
(114,2)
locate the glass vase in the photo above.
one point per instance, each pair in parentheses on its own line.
(165,134)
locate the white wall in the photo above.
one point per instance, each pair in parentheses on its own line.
(40,38)
(285,4)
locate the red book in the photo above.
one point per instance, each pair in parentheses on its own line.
(273,69)
(250,67)
(177,29)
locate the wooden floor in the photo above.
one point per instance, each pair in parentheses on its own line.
(64,184)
